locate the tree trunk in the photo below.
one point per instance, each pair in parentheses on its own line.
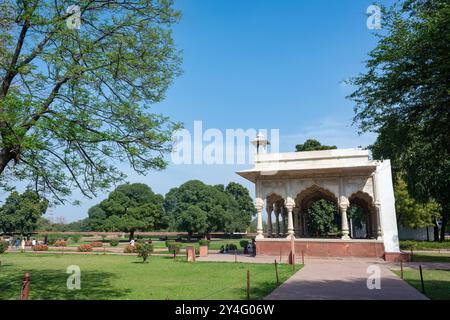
(443,227)
(131,235)
(5,158)
(436,232)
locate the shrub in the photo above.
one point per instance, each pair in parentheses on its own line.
(3,246)
(84,248)
(40,247)
(52,238)
(174,247)
(203,242)
(96,244)
(244,243)
(75,238)
(114,242)
(129,249)
(169,242)
(232,247)
(60,243)
(144,250)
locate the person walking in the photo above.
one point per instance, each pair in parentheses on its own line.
(22,245)
(17,244)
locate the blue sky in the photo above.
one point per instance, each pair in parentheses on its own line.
(261,64)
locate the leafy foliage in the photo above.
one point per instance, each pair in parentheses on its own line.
(3,246)
(195,207)
(410,212)
(312,145)
(321,217)
(404,96)
(20,212)
(40,247)
(114,242)
(84,248)
(144,250)
(71,100)
(128,208)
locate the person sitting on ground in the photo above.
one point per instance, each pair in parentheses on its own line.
(33,242)
(132,242)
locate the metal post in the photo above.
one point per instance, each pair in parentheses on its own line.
(248,284)
(421,279)
(401,269)
(303,258)
(276,272)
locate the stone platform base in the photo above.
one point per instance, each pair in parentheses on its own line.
(397,256)
(323,248)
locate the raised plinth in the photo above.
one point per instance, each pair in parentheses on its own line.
(321,247)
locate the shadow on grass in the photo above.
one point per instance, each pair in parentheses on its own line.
(431,258)
(52,285)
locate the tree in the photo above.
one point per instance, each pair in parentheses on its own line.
(73,99)
(321,217)
(222,209)
(20,212)
(193,220)
(130,207)
(404,96)
(312,145)
(410,212)
(245,204)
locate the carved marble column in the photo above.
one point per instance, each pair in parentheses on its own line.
(289,205)
(269,210)
(377,217)
(343,206)
(377,206)
(259,204)
(277,218)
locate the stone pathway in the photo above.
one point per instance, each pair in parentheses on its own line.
(346,279)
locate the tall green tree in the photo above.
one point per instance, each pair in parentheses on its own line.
(245,204)
(321,217)
(74,102)
(404,96)
(20,212)
(222,209)
(312,145)
(129,208)
(410,212)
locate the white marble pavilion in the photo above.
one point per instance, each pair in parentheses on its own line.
(288,183)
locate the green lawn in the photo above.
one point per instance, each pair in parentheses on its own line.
(126,277)
(431,257)
(423,245)
(436,282)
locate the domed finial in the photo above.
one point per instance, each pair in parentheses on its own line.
(260,141)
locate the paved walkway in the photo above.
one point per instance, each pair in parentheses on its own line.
(343,280)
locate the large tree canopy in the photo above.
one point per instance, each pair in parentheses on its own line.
(226,209)
(312,145)
(21,212)
(404,96)
(74,102)
(130,207)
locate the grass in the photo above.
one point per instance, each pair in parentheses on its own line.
(423,245)
(436,282)
(431,257)
(126,277)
